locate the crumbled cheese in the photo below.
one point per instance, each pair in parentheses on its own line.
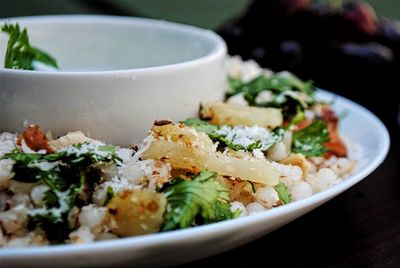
(5,172)
(235,206)
(243,70)
(303,147)
(245,136)
(258,154)
(264,96)
(43,165)
(86,148)
(238,99)
(63,200)
(125,154)
(7,143)
(143,147)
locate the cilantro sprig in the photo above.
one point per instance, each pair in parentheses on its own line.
(201,199)
(310,140)
(65,173)
(283,192)
(20,54)
(286,92)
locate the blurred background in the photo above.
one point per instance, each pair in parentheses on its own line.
(203,13)
(348,47)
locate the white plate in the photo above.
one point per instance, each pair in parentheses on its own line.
(162,249)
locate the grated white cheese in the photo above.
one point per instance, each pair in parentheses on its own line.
(91,146)
(7,143)
(43,165)
(143,147)
(245,136)
(303,147)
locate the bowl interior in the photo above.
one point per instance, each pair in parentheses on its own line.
(96,43)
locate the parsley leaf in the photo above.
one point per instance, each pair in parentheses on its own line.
(283,192)
(310,140)
(20,54)
(202,196)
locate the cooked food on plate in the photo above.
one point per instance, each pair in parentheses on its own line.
(272,142)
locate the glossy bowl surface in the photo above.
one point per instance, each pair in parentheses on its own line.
(117,75)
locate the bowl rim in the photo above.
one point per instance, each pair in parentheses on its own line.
(219,46)
(223,226)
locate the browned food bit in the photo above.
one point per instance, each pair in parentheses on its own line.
(335,144)
(162,122)
(35,139)
(239,190)
(137,212)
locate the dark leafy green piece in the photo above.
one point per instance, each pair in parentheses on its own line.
(310,140)
(65,173)
(297,118)
(20,54)
(203,126)
(283,192)
(202,196)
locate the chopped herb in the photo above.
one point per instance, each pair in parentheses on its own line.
(297,118)
(253,188)
(310,140)
(283,192)
(288,92)
(109,195)
(20,54)
(65,173)
(202,196)
(238,137)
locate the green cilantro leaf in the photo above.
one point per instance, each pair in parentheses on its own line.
(310,140)
(283,192)
(288,92)
(20,54)
(202,196)
(65,173)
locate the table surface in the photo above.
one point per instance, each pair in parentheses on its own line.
(359,228)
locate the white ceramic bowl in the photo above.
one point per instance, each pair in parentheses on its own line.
(117,75)
(162,249)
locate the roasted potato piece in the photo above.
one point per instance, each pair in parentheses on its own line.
(239,190)
(185,148)
(234,114)
(71,138)
(298,160)
(137,212)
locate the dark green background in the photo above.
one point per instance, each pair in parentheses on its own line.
(203,13)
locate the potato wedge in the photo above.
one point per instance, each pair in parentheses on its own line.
(297,160)
(71,138)
(234,114)
(185,148)
(137,212)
